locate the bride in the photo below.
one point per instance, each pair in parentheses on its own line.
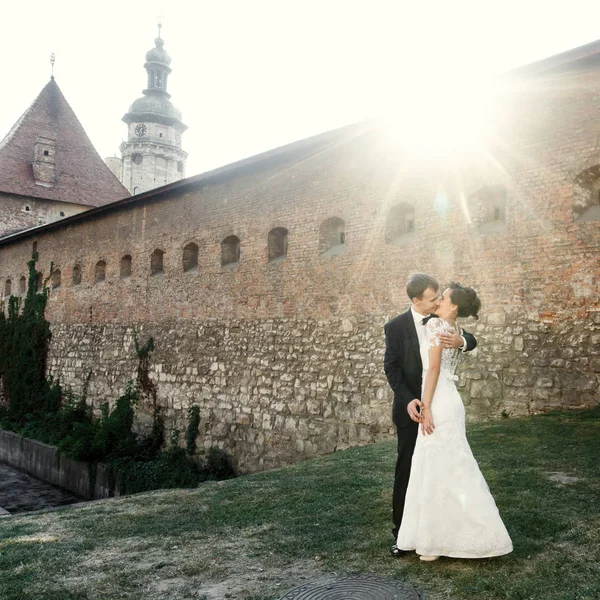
(449,510)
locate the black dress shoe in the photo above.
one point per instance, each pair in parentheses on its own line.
(396,552)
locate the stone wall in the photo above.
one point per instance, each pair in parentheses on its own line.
(273,391)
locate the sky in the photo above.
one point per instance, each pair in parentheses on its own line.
(251,75)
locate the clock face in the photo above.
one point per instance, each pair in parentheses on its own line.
(140,130)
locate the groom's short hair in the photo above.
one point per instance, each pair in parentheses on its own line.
(418,283)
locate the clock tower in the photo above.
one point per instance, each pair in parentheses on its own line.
(152,155)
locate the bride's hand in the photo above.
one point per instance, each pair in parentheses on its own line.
(427,425)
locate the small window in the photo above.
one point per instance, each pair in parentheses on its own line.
(136,190)
(76,275)
(400,222)
(487,210)
(277,243)
(62,214)
(22,285)
(7,288)
(125,270)
(100,271)
(180,166)
(156,262)
(230,250)
(160,134)
(27,208)
(39,282)
(190,258)
(46,153)
(55,278)
(137,158)
(332,236)
(586,195)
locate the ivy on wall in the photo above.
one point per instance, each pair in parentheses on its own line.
(38,408)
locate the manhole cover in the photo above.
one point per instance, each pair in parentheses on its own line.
(353,587)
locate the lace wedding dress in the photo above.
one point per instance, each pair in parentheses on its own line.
(449,510)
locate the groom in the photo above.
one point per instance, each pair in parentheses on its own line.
(403,368)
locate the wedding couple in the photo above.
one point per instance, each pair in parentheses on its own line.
(442,505)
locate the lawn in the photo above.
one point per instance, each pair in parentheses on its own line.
(256,537)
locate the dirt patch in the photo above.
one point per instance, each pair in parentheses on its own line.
(562,478)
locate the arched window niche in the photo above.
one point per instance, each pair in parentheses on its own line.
(157,262)
(487,209)
(125,267)
(55,279)
(100,271)
(400,223)
(76,277)
(230,251)
(23,285)
(190,258)
(277,243)
(586,195)
(332,237)
(7,288)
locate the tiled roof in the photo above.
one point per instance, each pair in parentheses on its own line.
(80,175)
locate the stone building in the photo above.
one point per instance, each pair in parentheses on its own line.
(49,169)
(266,283)
(152,155)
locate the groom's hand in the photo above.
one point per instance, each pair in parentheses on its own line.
(452,340)
(413,410)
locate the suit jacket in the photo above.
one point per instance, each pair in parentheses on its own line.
(402,363)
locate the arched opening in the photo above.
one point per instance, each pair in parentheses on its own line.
(277,243)
(39,282)
(100,271)
(22,285)
(332,236)
(7,288)
(76,277)
(156,262)
(55,279)
(586,195)
(400,222)
(190,258)
(125,267)
(487,209)
(230,250)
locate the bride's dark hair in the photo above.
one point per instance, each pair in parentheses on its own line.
(466,299)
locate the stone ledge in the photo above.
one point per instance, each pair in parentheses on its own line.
(46,463)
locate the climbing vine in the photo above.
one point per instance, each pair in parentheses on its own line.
(37,407)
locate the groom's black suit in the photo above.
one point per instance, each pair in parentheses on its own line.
(404,369)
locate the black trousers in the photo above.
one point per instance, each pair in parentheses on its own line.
(407,438)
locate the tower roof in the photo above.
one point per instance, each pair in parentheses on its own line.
(79,174)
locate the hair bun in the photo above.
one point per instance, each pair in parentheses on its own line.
(466,299)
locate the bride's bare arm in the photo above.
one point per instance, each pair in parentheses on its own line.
(431,379)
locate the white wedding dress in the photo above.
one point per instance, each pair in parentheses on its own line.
(449,510)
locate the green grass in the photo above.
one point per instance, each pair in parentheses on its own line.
(258,536)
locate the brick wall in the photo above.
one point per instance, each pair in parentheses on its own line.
(284,356)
